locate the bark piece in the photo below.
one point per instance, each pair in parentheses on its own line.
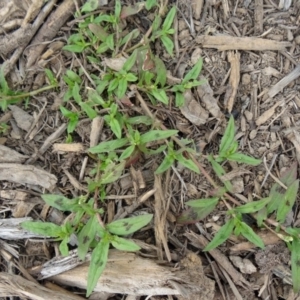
(161,207)
(11,230)
(127,273)
(8,155)
(258,17)
(197,8)
(192,110)
(234,80)
(49,30)
(14,285)
(223,42)
(268,114)
(205,93)
(245,265)
(201,242)
(279,86)
(26,174)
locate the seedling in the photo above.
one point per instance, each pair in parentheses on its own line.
(90,233)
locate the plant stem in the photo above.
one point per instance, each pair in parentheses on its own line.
(29,94)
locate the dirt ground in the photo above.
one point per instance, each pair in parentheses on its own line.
(251,52)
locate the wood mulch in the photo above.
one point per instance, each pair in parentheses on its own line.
(251,53)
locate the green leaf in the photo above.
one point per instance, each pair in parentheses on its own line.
(179,99)
(63,247)
(86,236)
(295,262)
(97,265)
(131,78)
(98,31)
(91,113)
(60,202)
(219,170)
(90,5)
(245,159)
(72,124)
(3,83)
(42,228)
(168,43)
(150,3)
(118,9)
(261,216)
(160,95)
(115,127)
(153,151)
(130,61)
(228,137)
(195,214)
(129,225)
(156,23)
(127,152)
(250,235)
(75,93)
(194,72)
(73,76)
(221,236)
(155,135)
(122,88)
(203,202)
(161,71)
(102,48)
(252,207)
(169,19)
(109,146)
(113,85)
(110,42)
(124,244)
(112,172)
(74,48)
(165,165)
(140,120)
(287,202)
(188,163)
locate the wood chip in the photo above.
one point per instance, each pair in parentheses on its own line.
(127,273)
(268,114)
(15,285)
(201,242)
(64,147)
(223,42)
(26,174)
(8,155)
(279,86)
(205,93)
(234,80)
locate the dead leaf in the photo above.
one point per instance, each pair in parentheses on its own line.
(192,110)
(8,155)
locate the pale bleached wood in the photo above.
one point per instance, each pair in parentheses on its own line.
(127,273)
(14,285)
(10,229)
(280,85)
(225,42)
(26,174)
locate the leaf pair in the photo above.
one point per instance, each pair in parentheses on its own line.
(236,226)
(228,148)
(100,253)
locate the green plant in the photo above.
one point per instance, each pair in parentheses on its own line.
(89,231)
(8,96)
(280,201)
